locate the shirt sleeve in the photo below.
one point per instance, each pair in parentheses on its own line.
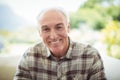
(97,69)
(23,72)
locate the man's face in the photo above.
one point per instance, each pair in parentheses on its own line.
(54,32)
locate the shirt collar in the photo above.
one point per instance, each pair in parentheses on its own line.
(48,52)
(69,52)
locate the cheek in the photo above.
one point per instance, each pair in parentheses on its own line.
(43,36)
(65,33)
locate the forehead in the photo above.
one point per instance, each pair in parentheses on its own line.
(52,14)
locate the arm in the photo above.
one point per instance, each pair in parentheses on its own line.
(97,69)
(23,72)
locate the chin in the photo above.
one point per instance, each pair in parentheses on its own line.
(56,50)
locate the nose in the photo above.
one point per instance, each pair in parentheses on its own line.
(53,34)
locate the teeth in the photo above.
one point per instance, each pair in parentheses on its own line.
(57,41)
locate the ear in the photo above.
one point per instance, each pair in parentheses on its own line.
(39,31)
(68,28)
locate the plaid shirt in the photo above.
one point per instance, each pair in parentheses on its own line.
(82,62)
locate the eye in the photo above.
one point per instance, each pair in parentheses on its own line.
(45,30)
(59,27)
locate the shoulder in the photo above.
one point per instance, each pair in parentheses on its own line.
(35,49)
(85,49)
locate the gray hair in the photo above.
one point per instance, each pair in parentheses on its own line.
(61,10)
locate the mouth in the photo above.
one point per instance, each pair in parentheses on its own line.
(56,42)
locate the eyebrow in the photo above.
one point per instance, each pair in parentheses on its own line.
(59,24)
(44,26)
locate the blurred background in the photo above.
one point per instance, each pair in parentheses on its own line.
(94,22)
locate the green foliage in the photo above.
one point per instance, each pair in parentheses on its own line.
(4,33)
(89,16)
(96,13)
(112,38)
(114,12)
(92,3)
(74,21)
(24,35)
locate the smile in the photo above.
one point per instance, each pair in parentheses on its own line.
(55,42)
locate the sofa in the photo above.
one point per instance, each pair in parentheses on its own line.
(8,65)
